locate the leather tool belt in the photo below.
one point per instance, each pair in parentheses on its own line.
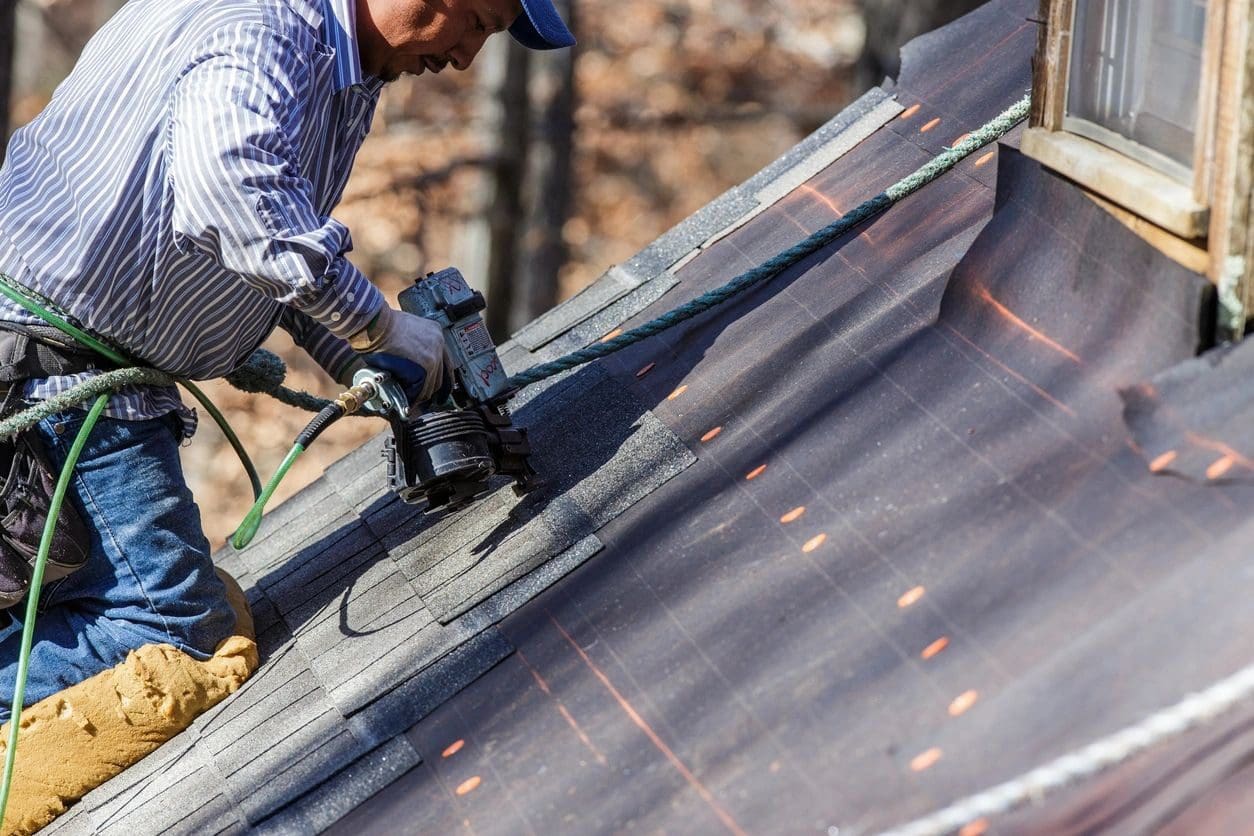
(34,351)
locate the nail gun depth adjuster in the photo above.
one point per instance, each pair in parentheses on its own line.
(447,456)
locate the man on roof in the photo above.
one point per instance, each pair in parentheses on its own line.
(174,199)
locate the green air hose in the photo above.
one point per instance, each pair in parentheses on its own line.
(332,412)
(252,521)
(238,446)
(32,599)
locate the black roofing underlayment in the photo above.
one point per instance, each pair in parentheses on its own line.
(1193,420)
(868,539)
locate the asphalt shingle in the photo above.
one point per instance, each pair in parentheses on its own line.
(327,803)
(593,298)
(392,712)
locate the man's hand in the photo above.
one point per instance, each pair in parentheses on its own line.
(411,338)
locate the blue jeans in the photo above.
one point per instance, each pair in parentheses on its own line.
(149,578)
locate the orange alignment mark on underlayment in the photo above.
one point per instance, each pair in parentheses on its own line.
(911,597)
(1010,316)
(999,364)
(1226,452)
(963,702)
(925,760)
(643,725)
(1220,467)
(561,709)
(974,828)
(820,197)
(1163,462)
(793,515)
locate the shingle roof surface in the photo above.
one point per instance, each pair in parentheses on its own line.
(867,539)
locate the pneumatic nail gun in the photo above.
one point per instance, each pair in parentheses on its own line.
(447,454)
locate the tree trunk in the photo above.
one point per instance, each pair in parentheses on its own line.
(489,249)
(513,249)
(8,38)
(506,213)
(891,23)
(550,176)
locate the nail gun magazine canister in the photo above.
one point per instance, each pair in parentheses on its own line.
(448,299)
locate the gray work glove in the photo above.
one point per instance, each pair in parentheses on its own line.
(407,337)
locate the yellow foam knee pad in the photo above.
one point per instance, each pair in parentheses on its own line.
(79,738)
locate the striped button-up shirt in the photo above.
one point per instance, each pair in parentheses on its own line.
(174,197)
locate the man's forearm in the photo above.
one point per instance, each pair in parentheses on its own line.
(330,352)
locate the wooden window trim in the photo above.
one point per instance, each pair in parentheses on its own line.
(1053,60)
(1123,146)
(1113,167)
(1159,199)
(1232,166)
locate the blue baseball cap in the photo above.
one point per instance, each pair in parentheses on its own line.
(541,27)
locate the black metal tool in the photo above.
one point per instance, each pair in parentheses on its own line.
(447,454)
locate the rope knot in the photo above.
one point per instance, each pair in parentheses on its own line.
(263,371)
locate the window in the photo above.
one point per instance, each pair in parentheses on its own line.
(1134,78)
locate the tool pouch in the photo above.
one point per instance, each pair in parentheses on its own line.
(25,495)
(27,473)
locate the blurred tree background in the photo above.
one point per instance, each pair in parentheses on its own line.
(532,172)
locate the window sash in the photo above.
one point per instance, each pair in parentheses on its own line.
(1138,151)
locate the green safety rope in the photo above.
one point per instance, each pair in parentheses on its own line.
(264,374)
(925,174)
(88,390)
